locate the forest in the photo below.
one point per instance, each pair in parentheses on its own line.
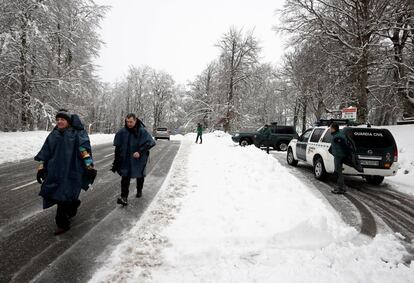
(340,53)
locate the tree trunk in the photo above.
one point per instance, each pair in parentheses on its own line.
(230,95)
(399,39)
(362,90)
(25,98)
(320,109)
(363,12)
(295,114)
(304,113)
(128,103)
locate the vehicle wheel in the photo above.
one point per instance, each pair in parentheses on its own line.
(282,146)
(319,169)
(290,158)
(374,180)
(244,142)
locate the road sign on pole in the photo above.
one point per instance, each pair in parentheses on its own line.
(349,113)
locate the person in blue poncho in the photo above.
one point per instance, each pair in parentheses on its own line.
(132,145)
(65,167)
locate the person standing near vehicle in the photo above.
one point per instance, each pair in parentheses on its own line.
(65,167)
(132,145)
(199,133)
(267,132)
(340,150)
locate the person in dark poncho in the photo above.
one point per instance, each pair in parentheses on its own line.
(65,167)
(132,145)
(267,133)
(199,133)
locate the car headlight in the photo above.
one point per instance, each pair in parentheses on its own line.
(236,135)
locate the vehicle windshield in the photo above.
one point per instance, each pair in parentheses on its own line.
(162,129)
(260,129)
(371,138)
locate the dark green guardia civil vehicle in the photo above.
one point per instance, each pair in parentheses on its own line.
(279,139)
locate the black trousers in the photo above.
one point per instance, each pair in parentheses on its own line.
(267,145)
(201,138)
(125,181)
(339,162)
(65,211)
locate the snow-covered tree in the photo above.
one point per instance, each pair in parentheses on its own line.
(239,56)
(46,50)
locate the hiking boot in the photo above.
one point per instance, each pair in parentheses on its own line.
(123,201)
(139,193)
(60,231)
(337,191)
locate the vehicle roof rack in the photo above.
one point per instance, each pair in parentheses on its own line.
(328,122)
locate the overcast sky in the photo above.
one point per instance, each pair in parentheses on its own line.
(178,36)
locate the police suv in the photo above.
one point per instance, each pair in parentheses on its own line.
(375,148)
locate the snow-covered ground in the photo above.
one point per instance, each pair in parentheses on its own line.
(177,137)
(15,146)
(404,180)
(233,214)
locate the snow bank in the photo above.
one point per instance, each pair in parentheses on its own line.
(15,146)
(176,137)
(233,214)
(404,136)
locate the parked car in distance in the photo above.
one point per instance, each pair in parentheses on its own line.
(376,150)
(279,140)
(162,133)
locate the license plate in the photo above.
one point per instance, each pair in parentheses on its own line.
(369,162)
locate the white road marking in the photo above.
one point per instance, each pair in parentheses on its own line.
(25,185)
(99,161)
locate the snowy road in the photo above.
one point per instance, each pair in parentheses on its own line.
(234,214)
(376,205)
(28,249)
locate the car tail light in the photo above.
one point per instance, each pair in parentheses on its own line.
(395,154)
(388,157)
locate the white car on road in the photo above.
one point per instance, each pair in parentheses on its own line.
(162,133)
(375,148)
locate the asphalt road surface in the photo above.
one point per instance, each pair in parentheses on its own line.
(370,209)
(28,249)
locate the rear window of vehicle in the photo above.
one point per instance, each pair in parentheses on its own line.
(284,130)
(316,135)
(327,137)
(371,138)
(162,129)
